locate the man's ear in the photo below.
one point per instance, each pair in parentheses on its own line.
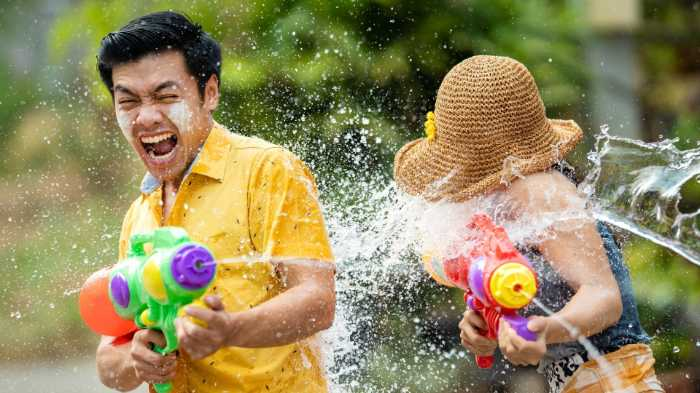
(211,93)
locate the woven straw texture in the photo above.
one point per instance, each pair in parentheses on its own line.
(491,127)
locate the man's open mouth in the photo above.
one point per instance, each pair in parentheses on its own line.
(160,146)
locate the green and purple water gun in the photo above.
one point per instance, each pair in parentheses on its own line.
(164,271)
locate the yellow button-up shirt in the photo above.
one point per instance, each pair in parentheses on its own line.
(243,197)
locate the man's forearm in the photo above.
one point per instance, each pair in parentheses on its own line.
(114,366)
(295,314)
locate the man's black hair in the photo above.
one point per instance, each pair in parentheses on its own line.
(158,32)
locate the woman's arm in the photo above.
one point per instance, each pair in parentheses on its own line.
(579,257)
(574,248)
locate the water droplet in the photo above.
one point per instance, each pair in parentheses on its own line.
(676,349)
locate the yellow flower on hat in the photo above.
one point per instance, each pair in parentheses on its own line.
(430,129)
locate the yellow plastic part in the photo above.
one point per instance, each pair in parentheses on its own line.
(152,281)
(145,318)
(513,285)
(197,303)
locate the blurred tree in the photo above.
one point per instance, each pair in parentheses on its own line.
(669,52)
(354,77)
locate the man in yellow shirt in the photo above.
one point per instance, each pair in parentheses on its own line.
(252,203)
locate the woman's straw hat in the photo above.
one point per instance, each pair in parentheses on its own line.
(490,127)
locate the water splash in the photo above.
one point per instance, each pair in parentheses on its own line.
(377,240)
(637,186)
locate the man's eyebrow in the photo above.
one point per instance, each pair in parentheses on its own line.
(123,90)
(166,85)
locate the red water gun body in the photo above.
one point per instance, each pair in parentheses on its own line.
(497,278)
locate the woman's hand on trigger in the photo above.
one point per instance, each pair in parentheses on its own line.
(519,351)
(472,328)
(203,331)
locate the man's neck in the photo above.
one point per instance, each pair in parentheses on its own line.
(173,185)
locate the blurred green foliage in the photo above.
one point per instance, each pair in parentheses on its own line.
(343,70)
(341,83)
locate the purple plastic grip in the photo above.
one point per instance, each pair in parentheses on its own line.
(193,267)
(476,278)
(519,324)
(120,290)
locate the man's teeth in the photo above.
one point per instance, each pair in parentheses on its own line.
(156,138)
(163,157)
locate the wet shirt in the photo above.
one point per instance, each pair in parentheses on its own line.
(245,199)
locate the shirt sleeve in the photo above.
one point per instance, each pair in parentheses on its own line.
(285,215)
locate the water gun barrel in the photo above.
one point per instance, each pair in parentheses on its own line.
(512,285)
(192,268)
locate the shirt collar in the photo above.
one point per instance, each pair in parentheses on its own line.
(210,161)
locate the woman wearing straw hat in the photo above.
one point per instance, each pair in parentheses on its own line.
(489,135)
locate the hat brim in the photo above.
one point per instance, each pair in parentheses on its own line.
(419,172)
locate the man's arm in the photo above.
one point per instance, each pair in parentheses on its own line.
(124,367)
(306,307)
(114,366)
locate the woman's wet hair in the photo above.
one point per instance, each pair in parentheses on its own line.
(160,32)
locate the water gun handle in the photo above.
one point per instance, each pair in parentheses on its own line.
(519,324)
(166,386)
(516,322)
(493,318)
(163,387)
(484,361)
(490,317)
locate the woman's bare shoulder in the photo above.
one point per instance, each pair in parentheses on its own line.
(545,191)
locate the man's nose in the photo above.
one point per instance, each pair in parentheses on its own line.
(148,117)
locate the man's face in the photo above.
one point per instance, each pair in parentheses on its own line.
(161,113)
